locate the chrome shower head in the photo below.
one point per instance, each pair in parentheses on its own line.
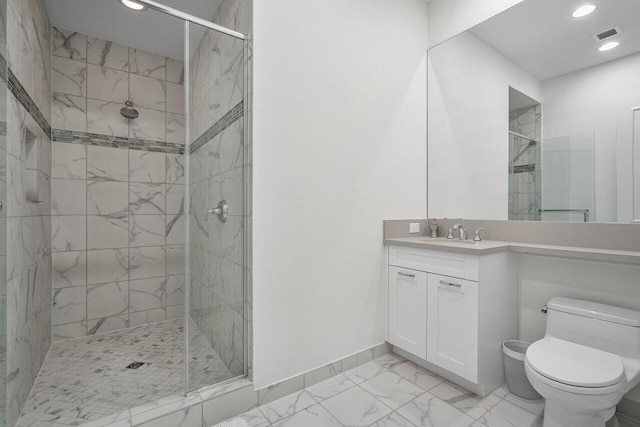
(128,111)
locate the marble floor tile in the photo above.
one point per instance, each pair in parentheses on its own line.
(536,407)
(420,377)
(393,420)
(389,360)
(391,389)
(329,388)
(356,407)
(464,400)
(386,383)
(506,414)
(252,418)
(315,416)
(364,372)
(287,406)
(429,411)
(86,379)
(501,391)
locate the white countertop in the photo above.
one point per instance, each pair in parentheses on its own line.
(485,247)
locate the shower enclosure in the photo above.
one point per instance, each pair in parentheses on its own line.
(3,214)
(215,172)
(525,132)
(123,266)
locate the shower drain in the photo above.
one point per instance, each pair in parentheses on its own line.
(135,365)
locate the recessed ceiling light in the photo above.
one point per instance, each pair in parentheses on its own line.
(132,4)
(608,46)
(583,10)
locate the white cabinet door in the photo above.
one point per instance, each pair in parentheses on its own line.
(452,331)
(408,310)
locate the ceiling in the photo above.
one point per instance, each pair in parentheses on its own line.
(544,38)
(148,30)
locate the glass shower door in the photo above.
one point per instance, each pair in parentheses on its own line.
(3,214)
(215,171)
(568,178)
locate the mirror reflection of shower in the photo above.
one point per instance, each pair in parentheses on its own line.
(525,133)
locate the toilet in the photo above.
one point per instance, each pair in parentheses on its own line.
(586,362)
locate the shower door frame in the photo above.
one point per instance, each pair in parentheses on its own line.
(188,19)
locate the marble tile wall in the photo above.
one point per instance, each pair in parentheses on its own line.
(525,190)
(28,223)
(118,238)
(118,231)
(92,79)
(220,301)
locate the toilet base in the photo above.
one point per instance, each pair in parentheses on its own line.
(558,416)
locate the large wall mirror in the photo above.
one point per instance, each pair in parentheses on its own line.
(534,115)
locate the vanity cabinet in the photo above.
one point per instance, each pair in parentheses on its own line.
(450,312)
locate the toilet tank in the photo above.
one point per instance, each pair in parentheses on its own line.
(607,327)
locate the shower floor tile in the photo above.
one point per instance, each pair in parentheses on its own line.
(87,378)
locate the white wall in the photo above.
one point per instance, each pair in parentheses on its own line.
(339,145)
(468,122)
(450,17)
(599,100)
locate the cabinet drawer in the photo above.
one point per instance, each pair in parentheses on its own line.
(439,262)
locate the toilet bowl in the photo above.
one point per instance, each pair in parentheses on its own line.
(581,385)
(586,362)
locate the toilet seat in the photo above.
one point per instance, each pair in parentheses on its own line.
(580,368)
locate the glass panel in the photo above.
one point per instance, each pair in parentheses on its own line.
(524,179)
(3,215)
(215,171)
(636,164)
(568,178)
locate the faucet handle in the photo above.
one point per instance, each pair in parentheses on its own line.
(450,235)
(461,230)
(476,237)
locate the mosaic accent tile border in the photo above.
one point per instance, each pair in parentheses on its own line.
(3,128)
(227,120)
(86,138)
(524,168)
(22,96)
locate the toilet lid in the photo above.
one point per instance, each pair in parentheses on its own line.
(574,364)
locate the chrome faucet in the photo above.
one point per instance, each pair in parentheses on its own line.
(463,234)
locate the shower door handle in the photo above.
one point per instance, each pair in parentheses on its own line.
(222,211)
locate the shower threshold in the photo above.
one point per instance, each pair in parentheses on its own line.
(88,378)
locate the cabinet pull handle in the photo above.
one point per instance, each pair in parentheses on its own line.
(456,285)
(400,273)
